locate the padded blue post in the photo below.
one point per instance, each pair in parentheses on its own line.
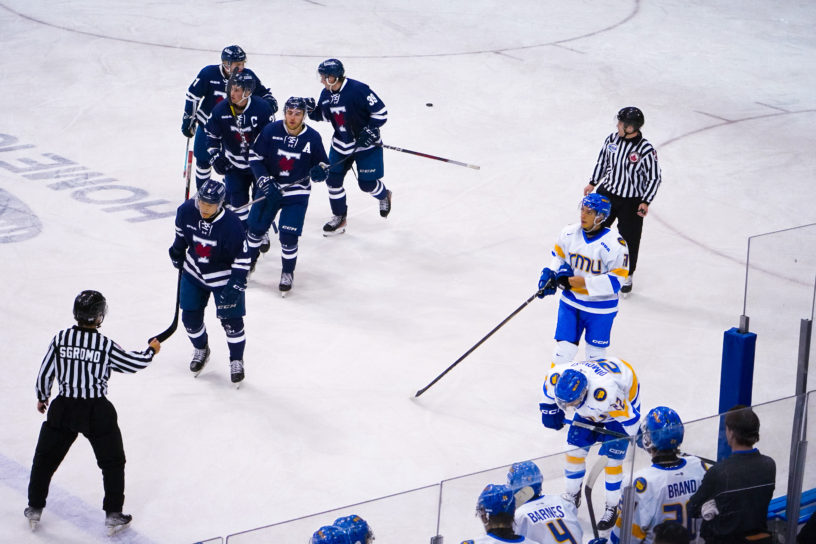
(736,378)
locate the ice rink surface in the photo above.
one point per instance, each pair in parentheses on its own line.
(528,90)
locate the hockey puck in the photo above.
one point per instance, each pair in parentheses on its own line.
(429,104)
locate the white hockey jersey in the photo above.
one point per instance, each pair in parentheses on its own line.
(490,539)
(548,520)
(613,391)
(661,494)
(603,262)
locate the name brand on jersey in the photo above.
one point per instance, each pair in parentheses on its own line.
(83,354)
(544,514)
(687,487)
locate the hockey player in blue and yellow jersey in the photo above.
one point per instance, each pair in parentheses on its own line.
(356,113)
(211,250)
(208,89)
(283,158)
(231,130)
(496,507)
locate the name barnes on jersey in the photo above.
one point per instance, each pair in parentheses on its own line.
(544,514)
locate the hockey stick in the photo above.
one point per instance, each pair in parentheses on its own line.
(479,343)
(188,171)
(593,475)
(427,156)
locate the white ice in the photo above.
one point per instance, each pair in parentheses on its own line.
(527,90)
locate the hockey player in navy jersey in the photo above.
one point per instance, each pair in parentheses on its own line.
(285,155)
(356,113)
(210,247)
(208,89)
(591,263)
(231,130)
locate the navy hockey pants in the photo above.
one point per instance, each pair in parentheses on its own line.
(370,169)
(94,418)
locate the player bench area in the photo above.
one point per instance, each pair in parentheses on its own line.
(777,509)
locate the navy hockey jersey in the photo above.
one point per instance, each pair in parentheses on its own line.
(287,158)
(210,87)
(351,108)
(232,134)
(216,249)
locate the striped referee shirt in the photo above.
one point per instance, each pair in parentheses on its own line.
(628,168)
(81,360)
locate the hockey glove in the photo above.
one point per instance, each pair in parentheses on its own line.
(546,284)
(230,295)
(268,188)
(188,125)
(310,105)
(177,257)
(552,416)
(563,275)
(272,103)
(220,163)
(319,172)
(367,136)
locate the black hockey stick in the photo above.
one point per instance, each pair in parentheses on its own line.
(488,335)
(188,171)
(427,156)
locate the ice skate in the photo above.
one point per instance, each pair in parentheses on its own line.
(33,516)
(572,498)
(237,372)
(626,288)
(200,358)
(335,226)
(385,205)
(285,283)
(265,244)
(609,517)
(117,521)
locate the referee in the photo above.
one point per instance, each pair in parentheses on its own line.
(627,172)
(81,359)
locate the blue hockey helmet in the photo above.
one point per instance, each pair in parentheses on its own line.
(90,307)
(525,473)
(495,500)
(331,68)
(571,388)
(356,528)
(295,103)
(661,430)
(243,81)
(631,115)
(233,53)
(329,534)
(600,204)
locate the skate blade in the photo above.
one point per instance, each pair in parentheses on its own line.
(33,524)
(334,233)
(117,529)
(238,385)
(284,293)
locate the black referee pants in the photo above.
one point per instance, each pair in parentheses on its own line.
(630,224)
(94,418)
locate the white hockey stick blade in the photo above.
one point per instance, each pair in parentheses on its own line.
(523,495)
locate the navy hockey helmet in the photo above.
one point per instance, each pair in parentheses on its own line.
(211,191)
(661,430)
(233,53)
(523,474)
(571,388)
(329,534)
(600,204)
(295,103)
(242,80)
(496,500)
(356,528)
(331,68)
(90,307)
(631,115)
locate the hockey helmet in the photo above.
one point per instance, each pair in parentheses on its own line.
(211,191)
(496,500)
(523,474)
(233,53)
(90,307)
(599,204)
(329,534)
(571,388)
(356,528)
(295,103)
(631,115)
(661,430)
(331,68)
(243,81)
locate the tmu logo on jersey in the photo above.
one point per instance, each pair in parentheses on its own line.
(339,116)
(203,249)
(286,162)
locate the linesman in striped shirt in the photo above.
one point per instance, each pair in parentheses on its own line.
(627,172)
(81,359)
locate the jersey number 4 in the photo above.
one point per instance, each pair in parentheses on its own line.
(560,532)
